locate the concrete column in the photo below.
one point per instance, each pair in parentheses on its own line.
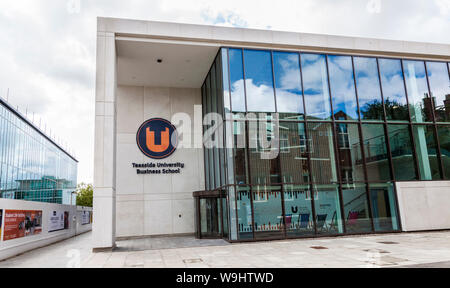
(104,226)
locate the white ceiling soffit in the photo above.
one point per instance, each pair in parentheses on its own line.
(183,64)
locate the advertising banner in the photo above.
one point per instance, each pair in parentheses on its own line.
(58,221)
(21,223)
(85,218)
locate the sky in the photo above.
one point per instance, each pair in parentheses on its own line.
(47,47)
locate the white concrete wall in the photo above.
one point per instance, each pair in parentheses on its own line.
(15,247)
(424,205)
(154,204)
(103,235)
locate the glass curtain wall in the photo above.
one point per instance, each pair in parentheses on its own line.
(349,128)
(32,168)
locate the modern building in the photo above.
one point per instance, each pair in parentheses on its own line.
(359,133)
(32,166)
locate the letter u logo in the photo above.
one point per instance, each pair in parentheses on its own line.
(165,141)
(148,139)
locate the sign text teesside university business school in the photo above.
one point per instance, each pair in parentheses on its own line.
(157,138)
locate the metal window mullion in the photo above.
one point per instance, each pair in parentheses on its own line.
(247,147)
(308,155)
(283,211)
(411,137)
(438,145)
(336,148)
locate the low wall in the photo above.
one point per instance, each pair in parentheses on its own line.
(424,205)
(53,223)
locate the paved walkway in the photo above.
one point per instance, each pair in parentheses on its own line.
(392,250)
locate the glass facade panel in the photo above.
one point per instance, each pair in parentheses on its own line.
(240,153)
(288,85)
(384,207)
(426,152)
(417,88)
(444,142)
(269,222)
(368,85)
(440,90)
(323,161)
(349,152)
(356,208)
(209,221)
(237,81)
(244,212)
(342,84)
(294,153)
(32,168)
(259,81)
(402,152)
(376,152)
(305,188)
(315,85)
(328,209)
(264,170)
(393,90)
(299,216)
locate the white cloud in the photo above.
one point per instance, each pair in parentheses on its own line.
(47,52)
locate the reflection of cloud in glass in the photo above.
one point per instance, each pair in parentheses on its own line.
(316,86)
(263,97)
(287,82)
(259,81)
(416,85)
(368,84)
(343,86)
(392,80)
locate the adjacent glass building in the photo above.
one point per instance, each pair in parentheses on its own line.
(348,128)
(32,166)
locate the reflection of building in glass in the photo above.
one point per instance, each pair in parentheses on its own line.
(363,126)
(32,166)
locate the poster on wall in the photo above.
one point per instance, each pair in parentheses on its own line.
(85,218)
(21,223)
(58,221)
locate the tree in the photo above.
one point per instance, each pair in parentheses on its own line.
(85,194)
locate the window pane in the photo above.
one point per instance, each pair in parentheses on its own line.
(342,86)
(293,153)
(237,81)
(402,152)
(209,217)
(417,87)
(244,213)
(268,212)
(384,209)
(327,207)
(444,141)
(440,90)
(315,85)
(264,169)
(349,151)
(288,85)
(323,161)
(259,81)
(356,208)
(393,90)
(226,84)
(368,84)
(376,153)
(426,152)
(240,153)
(299,216)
